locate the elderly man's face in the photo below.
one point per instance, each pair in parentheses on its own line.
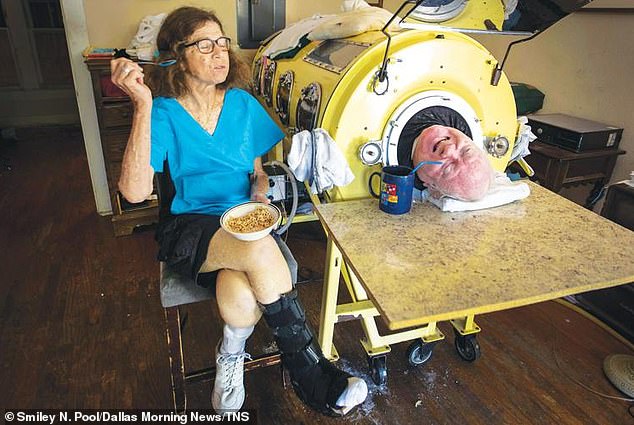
(465,173)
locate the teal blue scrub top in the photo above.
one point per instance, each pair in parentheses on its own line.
(211,171)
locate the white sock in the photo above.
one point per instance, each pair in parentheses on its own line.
(355,393)
(234,339)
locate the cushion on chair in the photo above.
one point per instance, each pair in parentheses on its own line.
(176,290)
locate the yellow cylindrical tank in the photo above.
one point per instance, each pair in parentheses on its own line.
(337,80)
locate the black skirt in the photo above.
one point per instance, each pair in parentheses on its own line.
(183,244)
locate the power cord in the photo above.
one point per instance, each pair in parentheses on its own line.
(597,197)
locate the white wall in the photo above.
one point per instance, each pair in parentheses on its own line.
(584,65)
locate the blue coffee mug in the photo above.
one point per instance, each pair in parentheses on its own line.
(397,185)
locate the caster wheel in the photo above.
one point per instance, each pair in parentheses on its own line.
(378,369)
(467,347)
(418,353)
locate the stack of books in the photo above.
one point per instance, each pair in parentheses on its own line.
(91,52)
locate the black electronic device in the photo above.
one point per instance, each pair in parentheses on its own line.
(280,189)
(574,134)
(277,183)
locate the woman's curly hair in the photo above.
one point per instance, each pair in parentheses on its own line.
(177,27)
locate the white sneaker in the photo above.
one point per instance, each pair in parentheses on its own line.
(228,394)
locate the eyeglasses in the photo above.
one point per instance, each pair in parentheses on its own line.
(206,45)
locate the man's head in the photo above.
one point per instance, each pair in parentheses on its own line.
(465,174)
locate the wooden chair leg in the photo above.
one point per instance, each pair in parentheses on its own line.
(177,368)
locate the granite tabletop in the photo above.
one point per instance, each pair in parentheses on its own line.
(429,265)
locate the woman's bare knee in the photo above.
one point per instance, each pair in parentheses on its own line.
(268,271)
(263,254)
(236,301)
(262,261)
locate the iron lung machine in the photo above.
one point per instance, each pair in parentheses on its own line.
(367,90)
(333,84)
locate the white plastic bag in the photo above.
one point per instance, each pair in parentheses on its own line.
(347,5)
(144,42)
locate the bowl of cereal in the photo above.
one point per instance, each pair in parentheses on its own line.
(251,221)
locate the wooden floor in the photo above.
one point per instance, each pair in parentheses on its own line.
(81,325)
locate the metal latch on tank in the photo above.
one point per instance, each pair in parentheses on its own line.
(496,146)
(380,81)
(371,153)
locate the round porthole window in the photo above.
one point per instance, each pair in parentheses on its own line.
(257,75)
(436,11)
(267,89)
(308,107)
(283,97)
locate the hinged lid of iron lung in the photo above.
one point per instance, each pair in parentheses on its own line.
(492,16)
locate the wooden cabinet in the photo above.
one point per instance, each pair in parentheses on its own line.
(114,111)
(556,167)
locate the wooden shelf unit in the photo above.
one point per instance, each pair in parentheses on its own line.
(556,168)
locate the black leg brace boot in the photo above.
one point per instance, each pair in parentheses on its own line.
(315,379)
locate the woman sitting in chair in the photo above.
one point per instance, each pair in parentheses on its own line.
(212,134)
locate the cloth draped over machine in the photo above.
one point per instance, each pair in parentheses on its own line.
(368,89)
(316,158)
(357,17)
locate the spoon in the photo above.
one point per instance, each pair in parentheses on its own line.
(164,63)
(420,164)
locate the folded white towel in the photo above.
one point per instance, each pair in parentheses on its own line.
(315,156)
(503,191)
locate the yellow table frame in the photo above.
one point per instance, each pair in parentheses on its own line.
(362,308)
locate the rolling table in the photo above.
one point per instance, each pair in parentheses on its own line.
(427,266)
